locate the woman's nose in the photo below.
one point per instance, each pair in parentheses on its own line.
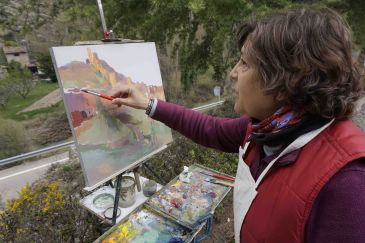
(233,73)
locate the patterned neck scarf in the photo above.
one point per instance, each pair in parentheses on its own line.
(282,119)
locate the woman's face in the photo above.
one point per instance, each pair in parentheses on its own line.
(249,98)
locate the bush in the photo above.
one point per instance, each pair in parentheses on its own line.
(49,210)
(46,66)
(53,129)
(13,139)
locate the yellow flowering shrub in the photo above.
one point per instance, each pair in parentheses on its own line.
(49,210)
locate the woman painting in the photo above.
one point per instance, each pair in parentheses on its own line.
(301,168)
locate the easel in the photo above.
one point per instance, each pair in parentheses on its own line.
(107,38)
(207,221)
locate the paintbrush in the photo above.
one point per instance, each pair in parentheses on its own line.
(218,176)
(104,96)
(215,181)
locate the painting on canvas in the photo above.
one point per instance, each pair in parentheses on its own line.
(110,139)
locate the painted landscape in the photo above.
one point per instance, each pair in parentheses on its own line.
(110,139)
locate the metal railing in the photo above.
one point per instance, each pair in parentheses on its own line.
(69,143)
(35,153)
(208,106)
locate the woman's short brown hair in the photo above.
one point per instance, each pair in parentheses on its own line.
(305,56)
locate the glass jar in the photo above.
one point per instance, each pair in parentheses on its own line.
(127,192)
(149,187)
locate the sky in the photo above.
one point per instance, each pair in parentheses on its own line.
(135,60)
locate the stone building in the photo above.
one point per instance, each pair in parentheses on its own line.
(19,54)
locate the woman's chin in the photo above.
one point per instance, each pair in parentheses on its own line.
(237,108)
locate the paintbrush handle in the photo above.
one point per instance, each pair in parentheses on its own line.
(222,177)
(106,97)
(218,176)
(226,183)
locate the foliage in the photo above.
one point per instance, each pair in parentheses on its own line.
(196,34)
(31,114)
(17,103)
(46,23)
(53,128)
(355,10)
(45,65)
(200,34)
(6,91)
(21,78)
(13,139)
(10,43)
(48,211)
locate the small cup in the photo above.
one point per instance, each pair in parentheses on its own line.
(149,188)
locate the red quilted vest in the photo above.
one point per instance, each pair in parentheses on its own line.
(285,196)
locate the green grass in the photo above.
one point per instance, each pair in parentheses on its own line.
(30,114)
(17,103)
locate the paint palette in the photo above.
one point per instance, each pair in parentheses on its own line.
(187,203)
(145,226)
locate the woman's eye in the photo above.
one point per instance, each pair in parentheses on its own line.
(243,62)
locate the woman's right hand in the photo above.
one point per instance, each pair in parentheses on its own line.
(130,96)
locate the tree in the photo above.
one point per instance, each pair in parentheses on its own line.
(199,34)
(356,11)
(6,91)
(21,79)
(46,66)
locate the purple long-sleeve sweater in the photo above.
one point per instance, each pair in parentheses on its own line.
(338,213)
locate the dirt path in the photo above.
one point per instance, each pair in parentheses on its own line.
(51,99)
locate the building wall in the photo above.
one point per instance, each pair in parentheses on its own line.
(22,58)
(18,54)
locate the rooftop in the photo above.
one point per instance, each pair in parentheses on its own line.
(14,49)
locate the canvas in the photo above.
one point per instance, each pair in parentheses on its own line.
(109,139)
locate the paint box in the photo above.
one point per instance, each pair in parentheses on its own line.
(187,203)
(143,225)
(172,214)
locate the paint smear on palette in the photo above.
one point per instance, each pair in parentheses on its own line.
(189,202)
(145,226)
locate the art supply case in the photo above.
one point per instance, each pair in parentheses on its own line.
(170,212)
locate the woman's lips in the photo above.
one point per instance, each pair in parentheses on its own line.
(235,93)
